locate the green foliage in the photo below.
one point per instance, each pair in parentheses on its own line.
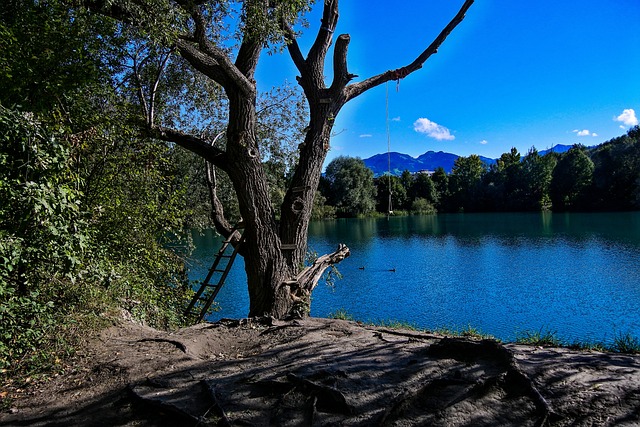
(88,209)
(41,233)
(571,180)
(588,345)
(535,181)
(464,183)
(422,206)
(626,343)
(399,198)
(423,187)
(320,209)
(545,338)
(397,324)
(341,314)
(48,52)
(616,176)
(352,188)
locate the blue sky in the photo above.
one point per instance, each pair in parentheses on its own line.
(512,74)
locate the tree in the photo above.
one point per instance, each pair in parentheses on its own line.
(399,199)
(352,189)
(465,181)
(441,181)
(571,179)
(423,187)
(536,178)
(273,251)
(616,175)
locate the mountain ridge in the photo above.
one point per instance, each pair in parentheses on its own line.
(429,161)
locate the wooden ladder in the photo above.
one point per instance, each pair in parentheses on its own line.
(203,298)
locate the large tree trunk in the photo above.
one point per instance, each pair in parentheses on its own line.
(264,263)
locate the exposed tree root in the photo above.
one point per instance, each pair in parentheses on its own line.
(217,407)
(513,380)
(418,336)
(158,405)
(180,346)
(329,399)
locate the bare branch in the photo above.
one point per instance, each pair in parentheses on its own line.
(138,81)
(220,222)
(248,55)
(356,89)
(318,51)
(310,276)
(217,210)
(192,143)
(210,59)
(341,76)
(154,88)
(293,47)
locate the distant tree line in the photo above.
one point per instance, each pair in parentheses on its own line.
(603,178)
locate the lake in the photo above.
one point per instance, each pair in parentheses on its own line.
(577,275)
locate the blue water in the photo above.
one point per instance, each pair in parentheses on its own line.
(577,275)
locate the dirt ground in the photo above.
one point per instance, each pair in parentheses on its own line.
(328,372)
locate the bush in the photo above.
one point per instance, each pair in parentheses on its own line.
(422,206)
(66,258)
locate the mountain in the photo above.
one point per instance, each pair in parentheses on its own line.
(430,160)
(556,149)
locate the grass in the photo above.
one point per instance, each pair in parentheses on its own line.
(396,324)
(340,314)
(588,346)
(623,343)
(543,338)
(467,332)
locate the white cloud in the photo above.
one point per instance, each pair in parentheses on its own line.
(628,117)
(366,135)
(432,129)
(584,132)
(484,142)
(396,119)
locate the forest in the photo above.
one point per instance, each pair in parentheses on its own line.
(601,178)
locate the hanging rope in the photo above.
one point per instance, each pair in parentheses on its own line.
(390,204)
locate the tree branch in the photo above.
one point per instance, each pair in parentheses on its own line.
(154,88)
(341,76)
(293,48)
(217,210)
(141,95)
(203,63)
(192,143)
(308,278)
(210,59)
(321,45)
(248,55)
(356,89)
(251,45)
